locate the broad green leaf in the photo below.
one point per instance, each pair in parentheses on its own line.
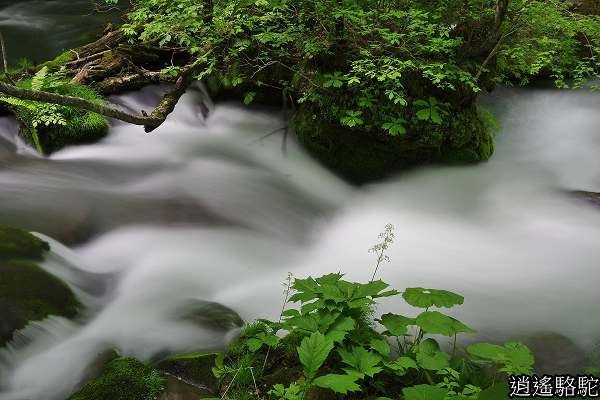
(397,325)
(423,114)
(249,98)
(434,361)
(370,289)
(498,391)
(338,383)
(424,392)
(402,365)
(516,358)
(425,298)
(487,351)
(254,344)
(381,346)
(436,323)
(362,360)
(313,351)
(338,331)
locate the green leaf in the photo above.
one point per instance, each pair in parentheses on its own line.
(402,365)
(313,351)
(436,323)
(397,325)
(362,360)
(425,298)
(249,98)
(254,344)
(352,119)
(424,392)
(433,361)
(338,331)
(381,346)
(516,358)
(424,114)
(338,383)
(499,391)
(395,128)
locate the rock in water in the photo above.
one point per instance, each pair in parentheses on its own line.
(27,292)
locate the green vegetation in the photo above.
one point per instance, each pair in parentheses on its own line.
(370,75)
(332,346)
(123,379)
(16,243)
(27,292)
(49,127)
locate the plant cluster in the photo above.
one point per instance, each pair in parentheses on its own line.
(332,343)
(62,120)
(379,65)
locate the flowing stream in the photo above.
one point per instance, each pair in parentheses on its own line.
(160,234)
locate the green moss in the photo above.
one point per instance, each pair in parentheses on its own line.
(194,367)
(59,61)
(123,379)
(16,243)
(81,126)
(28,293)
(360,155)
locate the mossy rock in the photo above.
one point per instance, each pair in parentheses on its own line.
(28,293)
(193,367)
(123,379)
(81,127)
(16,243)
(78,127)
(363,155)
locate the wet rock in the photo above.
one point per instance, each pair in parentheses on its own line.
(555,354)
(193,368)
(212,316)
(178,389)
(27,292)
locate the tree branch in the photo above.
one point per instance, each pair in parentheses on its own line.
(149,122)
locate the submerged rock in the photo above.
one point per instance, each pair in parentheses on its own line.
(27,292)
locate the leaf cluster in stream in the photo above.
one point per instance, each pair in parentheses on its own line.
(332,346)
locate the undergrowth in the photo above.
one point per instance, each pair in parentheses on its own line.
(333,345)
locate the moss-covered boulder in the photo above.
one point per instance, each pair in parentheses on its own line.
(361,155)
(27,292)
(16,243)
(72,126)
(123,379)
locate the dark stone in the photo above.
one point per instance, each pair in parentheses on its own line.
(361,156)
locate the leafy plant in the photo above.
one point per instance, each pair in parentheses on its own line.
(332,342)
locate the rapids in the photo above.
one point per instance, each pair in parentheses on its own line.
(214,211)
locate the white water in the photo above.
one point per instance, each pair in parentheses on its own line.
(205,211)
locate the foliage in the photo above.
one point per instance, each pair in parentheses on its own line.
(379,66)
(332,342)
(123,379)
(51,126)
